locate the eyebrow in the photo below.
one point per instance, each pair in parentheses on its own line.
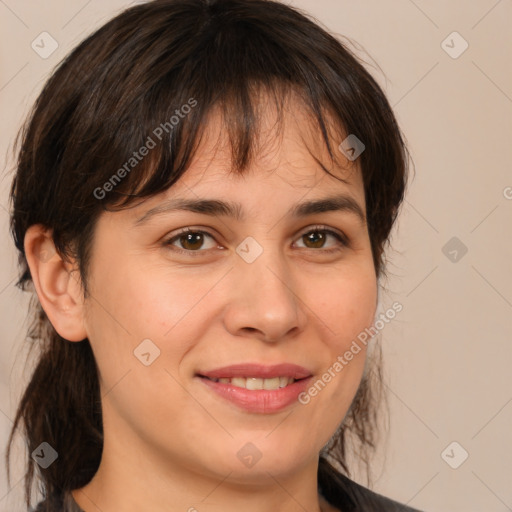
(217,207)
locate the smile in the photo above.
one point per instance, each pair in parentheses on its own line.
(255,383)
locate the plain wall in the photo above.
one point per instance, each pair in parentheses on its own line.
(448,353)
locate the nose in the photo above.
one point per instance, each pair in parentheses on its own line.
(265,301)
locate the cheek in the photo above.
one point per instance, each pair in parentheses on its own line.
(140,299)
(130,304)
(137,305)
(346,312)
(346,305)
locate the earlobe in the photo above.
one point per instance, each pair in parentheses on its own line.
(57,284)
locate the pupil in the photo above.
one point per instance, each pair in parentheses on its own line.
(189,239)
(319,236)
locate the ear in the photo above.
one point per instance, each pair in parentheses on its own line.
(57,284)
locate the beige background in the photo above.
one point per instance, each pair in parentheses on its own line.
(448,353)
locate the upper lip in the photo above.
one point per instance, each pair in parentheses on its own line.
(258,370)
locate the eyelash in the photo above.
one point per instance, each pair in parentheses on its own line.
(315,229)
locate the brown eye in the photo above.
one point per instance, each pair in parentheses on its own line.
(317,239)
(190,241)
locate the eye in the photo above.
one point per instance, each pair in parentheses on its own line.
(318,236)
(192,240)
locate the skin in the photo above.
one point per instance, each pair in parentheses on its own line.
(170,443)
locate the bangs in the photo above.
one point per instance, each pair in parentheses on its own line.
(162,132)
(165,83)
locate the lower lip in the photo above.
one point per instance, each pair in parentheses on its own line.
(260,400)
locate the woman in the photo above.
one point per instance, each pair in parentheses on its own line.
(203,195)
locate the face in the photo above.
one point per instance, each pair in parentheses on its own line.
(269,287)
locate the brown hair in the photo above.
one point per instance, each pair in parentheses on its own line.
(105,101)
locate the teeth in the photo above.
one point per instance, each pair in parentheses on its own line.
(254,383)
(239,382)
(272,383)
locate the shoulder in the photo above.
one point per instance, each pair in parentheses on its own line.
(345,494)
(368,500)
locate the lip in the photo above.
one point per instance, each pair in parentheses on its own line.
(260,401)
(258,370)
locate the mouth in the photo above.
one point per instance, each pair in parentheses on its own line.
(257,388)
(256,383)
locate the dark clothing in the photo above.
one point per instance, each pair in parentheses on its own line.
(337,489)
(349,496)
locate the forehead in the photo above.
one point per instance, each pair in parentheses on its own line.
(287,143)
(289,165)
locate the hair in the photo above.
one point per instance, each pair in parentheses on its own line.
(106,100)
